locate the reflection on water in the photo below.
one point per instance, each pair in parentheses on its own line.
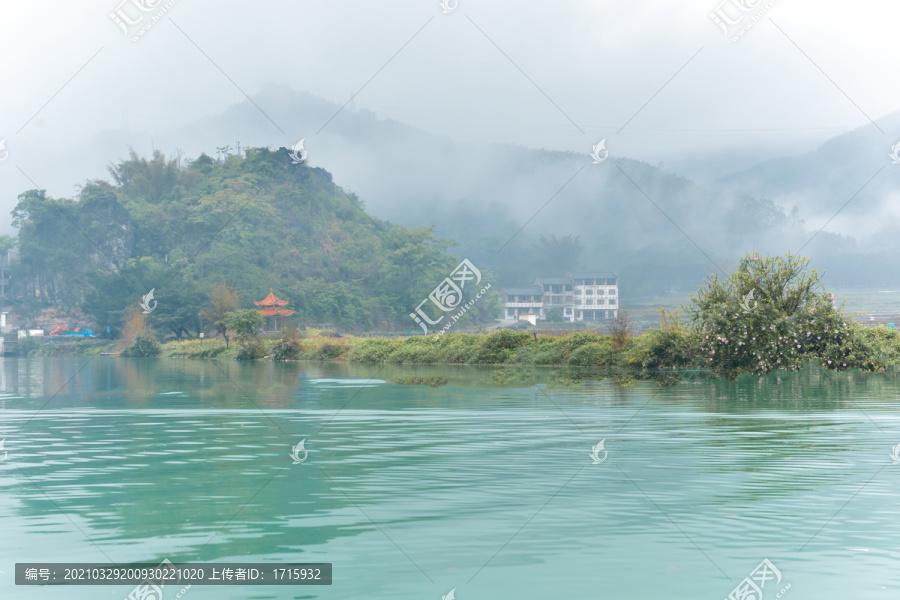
(485,484)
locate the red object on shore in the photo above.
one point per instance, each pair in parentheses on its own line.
(271,307)
(64,331)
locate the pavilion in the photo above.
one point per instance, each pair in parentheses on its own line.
(270,308)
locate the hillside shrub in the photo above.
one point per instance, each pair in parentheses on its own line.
(571,342)
(371,350)
(601,353)
(329,351)
(287,348)
(457,348)
(657,349)
(500,346)
(251,348)
(145,345)
(28,346)
(414,350)
(865,348)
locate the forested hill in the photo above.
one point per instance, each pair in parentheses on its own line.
(250,222)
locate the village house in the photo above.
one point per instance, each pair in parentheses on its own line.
(579,296)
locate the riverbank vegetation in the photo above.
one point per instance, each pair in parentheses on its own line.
(772,314)
(672,348)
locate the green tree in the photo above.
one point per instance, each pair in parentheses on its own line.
(52,249)
(7,243)
(145,346)
(246,325)
(255,221)
(222,300)
(415,263)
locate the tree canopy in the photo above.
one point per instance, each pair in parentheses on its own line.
(249,223)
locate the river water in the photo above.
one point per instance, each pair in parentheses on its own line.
(485,485)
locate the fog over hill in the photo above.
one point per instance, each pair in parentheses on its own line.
(527,211)
(854,168)
(647,223)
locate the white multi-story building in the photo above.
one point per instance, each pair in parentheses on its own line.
(580,297)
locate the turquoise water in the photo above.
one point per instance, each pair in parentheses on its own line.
(477,486)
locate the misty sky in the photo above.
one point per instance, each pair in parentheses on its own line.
(544,75)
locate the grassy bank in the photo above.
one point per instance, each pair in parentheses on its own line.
(648,355)
(870,348)
(504,347)
(310,348)
(859,346)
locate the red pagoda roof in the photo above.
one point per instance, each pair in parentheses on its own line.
(271,300)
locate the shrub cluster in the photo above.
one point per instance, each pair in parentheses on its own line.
(584,349)
(28,346)
(287,348)
(773,314)
(145,345)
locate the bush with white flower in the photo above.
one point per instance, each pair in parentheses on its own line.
(771,314)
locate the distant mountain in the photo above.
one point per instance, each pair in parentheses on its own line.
(853,169)
(650,226)
(522,212)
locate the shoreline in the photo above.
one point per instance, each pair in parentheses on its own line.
(653,354)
